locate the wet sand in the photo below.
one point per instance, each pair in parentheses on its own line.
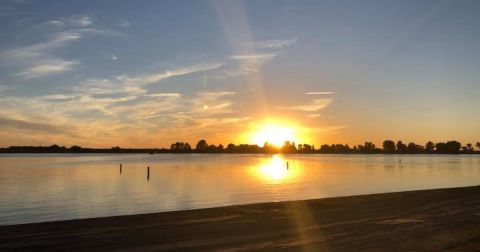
(430,220)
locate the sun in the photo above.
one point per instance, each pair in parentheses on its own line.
(274,134)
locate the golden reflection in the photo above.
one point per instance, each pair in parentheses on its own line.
(275,170)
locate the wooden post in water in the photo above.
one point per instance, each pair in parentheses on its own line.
(148,172)
(120,168)
(287,165)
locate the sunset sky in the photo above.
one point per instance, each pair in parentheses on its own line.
(148,73)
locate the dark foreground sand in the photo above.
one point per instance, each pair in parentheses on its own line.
(432,220)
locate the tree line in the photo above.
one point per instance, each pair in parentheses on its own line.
(388,147)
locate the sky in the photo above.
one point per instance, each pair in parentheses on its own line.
(149,73)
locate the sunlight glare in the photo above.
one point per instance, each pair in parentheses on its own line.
(274,170)
(274,134)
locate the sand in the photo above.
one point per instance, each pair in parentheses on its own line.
(430,220)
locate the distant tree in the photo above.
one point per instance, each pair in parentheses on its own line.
(288,147)
(180,147)
(468,148)
(454,146)
(413,148)
(230,148)
(201,146)
(368,147)
(269,148)
(441,147)
(450,147)
(429,147)
(75,148)
(211,148)
(304,148)
(401,147)
(478,145)
(220,148)
(389,146)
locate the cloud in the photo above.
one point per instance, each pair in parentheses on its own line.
(38,59)
(254,56)
(73,21)
(315,105)
(248,63)
(47,67)
(212,102)
(10,123)
(320,93)
(164,95)
(124,23)
(273,44)
(134,84)
(3,88)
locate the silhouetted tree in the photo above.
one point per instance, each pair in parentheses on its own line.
(368,147)
(450,147)
(201,146)
(268,148)
(429,147)
(413,148)
(478,145)
(180,147)
(288,147)
(211,149)
(389,146)
(76,148)
(230,148)
(468,148)
(401,147)
(305,148)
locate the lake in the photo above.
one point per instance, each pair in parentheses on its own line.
(43,187)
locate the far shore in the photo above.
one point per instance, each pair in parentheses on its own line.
(428,220)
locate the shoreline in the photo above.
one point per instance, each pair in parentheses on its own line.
(426,220)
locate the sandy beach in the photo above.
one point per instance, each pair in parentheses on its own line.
(429,220)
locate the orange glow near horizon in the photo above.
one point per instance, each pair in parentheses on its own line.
(274,134)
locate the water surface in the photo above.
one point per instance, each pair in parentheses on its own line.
(36,188)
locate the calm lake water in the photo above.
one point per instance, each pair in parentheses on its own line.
(36,188)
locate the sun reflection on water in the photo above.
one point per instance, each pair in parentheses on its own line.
(274,170)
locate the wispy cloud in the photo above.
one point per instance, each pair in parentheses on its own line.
(163,95)
(7,123)
(38,59)
(47,67)
(134,84)
(273,44)
(3,88)
(315,105)
(73,21)
(212,102)
(254,56)
(320,93)
(248,63)
(124,23)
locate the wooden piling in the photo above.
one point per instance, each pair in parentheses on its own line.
(120,168)
(148,172)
